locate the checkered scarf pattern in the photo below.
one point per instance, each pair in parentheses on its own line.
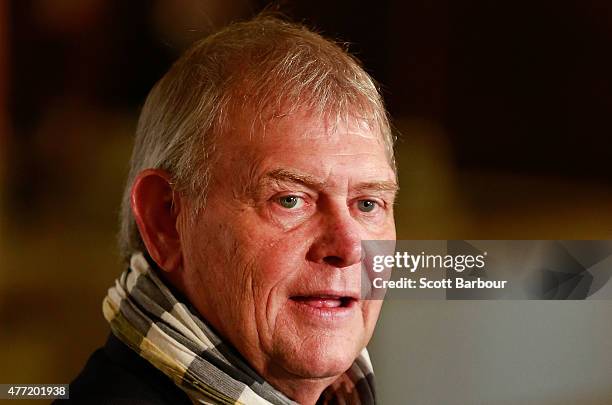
(147,317)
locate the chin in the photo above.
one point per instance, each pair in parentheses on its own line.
(323,357)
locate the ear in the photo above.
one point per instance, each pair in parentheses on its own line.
(156,206)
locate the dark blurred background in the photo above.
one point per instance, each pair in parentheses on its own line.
(503,111)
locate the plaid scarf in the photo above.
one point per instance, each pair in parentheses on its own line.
(148,318)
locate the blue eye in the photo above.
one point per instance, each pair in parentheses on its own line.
(366,205)
(290,201)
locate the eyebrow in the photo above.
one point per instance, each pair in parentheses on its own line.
(292,176)
(379,186)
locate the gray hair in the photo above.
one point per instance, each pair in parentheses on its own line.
(264,64)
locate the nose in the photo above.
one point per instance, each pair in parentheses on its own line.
(339,241)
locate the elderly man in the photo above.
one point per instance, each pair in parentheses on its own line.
(262,160)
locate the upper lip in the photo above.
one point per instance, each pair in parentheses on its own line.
(328,294)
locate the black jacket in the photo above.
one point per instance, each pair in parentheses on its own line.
(115,374)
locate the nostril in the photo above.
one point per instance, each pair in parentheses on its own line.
(334,261)
(335,250)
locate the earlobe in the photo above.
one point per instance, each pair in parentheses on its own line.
(156,207)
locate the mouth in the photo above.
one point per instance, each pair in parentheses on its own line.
(325,301)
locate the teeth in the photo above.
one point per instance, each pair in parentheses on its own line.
(321,302)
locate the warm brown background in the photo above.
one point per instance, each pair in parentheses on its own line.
(504,110)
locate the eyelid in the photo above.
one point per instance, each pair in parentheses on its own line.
(286,192)
(289,193)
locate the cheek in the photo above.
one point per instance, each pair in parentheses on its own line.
(386,230)
(370,310)
(278,266)
(215,272)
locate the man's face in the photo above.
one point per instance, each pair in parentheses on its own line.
(274,259)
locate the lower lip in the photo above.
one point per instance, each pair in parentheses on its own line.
(324,313)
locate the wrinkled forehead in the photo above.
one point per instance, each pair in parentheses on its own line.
(287,122)
(331,152)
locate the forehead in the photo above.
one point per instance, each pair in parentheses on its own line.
(301,127)
(307,141)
